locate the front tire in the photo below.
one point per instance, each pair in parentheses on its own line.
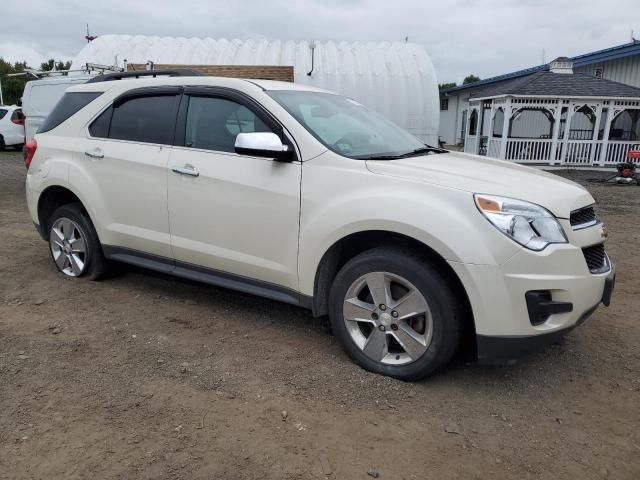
(395,314)
(74,245)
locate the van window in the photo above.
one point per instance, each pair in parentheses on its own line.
(40,99)
(213,123)
(149,119)
(68,106)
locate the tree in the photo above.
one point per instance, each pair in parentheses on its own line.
(446,86)
(12,87)
(470,79)
(51,63)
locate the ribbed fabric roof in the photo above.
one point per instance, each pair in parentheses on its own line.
(396,79)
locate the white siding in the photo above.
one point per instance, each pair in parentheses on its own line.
(624,70)
(396,79)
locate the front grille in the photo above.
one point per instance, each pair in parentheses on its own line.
(595,257)
(582,216)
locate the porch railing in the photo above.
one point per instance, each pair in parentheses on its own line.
(578,152)
(494,148)
(470,144)
(530,150)
(617,151)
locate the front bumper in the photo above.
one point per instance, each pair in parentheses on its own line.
(498,296)
(507,349)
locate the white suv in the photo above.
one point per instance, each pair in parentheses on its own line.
(307,197)
(11,127)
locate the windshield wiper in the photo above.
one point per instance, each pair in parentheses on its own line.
(425,149)
(412,153)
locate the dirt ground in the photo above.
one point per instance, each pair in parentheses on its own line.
(147,376)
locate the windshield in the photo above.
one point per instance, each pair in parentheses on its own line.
(347,127)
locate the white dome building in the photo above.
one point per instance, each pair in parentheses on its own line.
(395,79)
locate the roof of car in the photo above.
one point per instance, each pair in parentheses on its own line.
(240,83)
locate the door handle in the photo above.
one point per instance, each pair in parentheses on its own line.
(186,170)
(94,153)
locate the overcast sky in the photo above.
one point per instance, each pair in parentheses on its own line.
(484,37)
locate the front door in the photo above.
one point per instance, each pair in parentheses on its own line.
(227,212)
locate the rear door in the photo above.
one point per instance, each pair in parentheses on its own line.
(228,212)
(125,155)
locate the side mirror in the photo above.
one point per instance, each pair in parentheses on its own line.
(262,144)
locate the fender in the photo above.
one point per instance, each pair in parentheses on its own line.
(444,219)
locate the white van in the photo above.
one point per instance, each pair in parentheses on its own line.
(40,96)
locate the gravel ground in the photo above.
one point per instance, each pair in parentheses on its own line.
(146,376)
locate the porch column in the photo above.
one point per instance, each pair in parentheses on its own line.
(490,129)
(596,130)
(479,129)
(557,116)
(466,129)
(605,136)
(567,131)
(506,118)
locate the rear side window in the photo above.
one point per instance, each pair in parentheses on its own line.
(100,126)
(68,106)
(3,112)
(148,119)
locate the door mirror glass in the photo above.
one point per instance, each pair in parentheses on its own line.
(262,144)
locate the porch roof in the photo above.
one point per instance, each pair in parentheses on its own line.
(550,84)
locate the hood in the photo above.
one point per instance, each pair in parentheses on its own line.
(477,174)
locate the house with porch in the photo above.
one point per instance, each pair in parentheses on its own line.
(555,117)
(582,110)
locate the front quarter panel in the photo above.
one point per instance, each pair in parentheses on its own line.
(341,197)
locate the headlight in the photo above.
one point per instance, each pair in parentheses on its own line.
(529,224)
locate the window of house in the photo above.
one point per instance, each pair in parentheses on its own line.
(498,123)
(473,122)
(598,72)
(444,104)
(213,123)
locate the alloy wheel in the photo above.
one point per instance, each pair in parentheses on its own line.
(69,247)
(388,318)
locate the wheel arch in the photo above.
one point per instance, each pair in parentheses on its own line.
(355,243)
(52,198)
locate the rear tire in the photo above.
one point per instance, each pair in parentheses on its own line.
(395,314)
(2,144)
(74,244)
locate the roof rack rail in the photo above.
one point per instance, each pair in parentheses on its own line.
(178,72)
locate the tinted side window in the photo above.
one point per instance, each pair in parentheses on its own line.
(214,123)
(68,106)
(148,119)
(17,114)
(3,112)
(100,126)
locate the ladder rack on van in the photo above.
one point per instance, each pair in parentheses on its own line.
(178,72)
